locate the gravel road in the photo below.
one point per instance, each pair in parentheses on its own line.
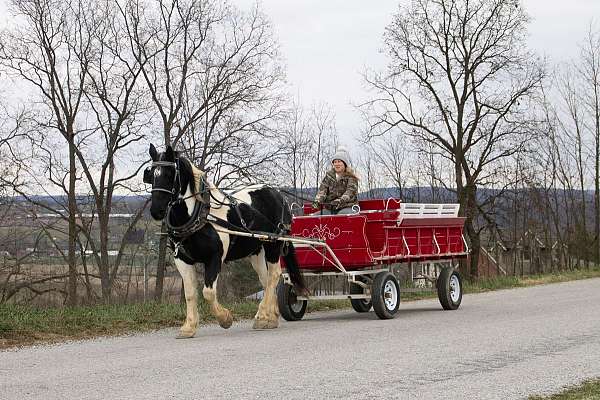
(500,345)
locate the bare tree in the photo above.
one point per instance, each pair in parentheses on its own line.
(459,77)
(166,38)
(12,135)
(23,236)
(574,137)
(50,50)
(213,74)
(118,106)
(391,154)
(552,186)
(76,59)
(589,70)
(243,88)
(572,142)
(324,135)
(296,144)
(371,179)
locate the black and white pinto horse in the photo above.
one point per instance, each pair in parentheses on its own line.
(195,211)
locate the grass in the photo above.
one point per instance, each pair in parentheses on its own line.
(22,325)
(25,325)
(588,390)
(508,282)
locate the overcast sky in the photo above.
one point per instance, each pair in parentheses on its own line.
(326,44)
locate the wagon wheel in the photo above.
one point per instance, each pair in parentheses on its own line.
(385,295)
(359,305)
(449,288)
(291,309)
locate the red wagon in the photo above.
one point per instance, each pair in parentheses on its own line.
(364,247)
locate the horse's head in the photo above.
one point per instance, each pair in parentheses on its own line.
(165,177)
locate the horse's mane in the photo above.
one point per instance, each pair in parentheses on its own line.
(197,175)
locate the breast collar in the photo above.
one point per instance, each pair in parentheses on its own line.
(199,215)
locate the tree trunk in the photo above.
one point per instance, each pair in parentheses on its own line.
(596,242)
(597,173)
(104,267)
(161,267)
(471,214)
(72,282)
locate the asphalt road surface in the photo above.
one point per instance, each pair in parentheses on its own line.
(501,345)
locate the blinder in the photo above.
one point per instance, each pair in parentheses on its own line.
(149,176)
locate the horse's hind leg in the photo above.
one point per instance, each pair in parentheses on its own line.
(190,287)
(268,311)
(259,263)
(209,292)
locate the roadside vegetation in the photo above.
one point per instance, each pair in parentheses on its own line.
(22,325)
(588,390)
(25,325)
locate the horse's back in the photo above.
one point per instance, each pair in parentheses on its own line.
(261,209)
(265,200)
(271,203)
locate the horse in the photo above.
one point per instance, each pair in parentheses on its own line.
(195,212)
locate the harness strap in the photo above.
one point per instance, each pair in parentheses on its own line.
(234,203)
(195,223)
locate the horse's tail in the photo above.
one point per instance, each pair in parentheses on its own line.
(291,263)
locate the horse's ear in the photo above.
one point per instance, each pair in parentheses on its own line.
(169,154)
(153,153)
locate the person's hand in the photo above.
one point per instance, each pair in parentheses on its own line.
(335,204)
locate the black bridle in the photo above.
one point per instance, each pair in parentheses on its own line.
(149,177)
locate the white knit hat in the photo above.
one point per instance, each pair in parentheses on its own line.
(342,155)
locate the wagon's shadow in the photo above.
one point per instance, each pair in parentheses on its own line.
(354,316)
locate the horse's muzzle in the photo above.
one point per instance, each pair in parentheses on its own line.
(157,214)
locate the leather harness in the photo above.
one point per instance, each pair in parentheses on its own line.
(201,212)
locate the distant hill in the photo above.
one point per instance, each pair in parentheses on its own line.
(128,204)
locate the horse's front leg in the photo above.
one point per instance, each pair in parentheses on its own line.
(211,275)
(190,287)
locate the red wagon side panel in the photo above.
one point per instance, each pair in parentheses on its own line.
(379,234)
(345,234)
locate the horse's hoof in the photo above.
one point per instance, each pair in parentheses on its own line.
(185,335)
(273,324)
(265,324)
(227,321)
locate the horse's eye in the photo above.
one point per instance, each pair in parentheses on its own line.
(148,175)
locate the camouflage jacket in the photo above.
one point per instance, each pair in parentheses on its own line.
(345,189)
